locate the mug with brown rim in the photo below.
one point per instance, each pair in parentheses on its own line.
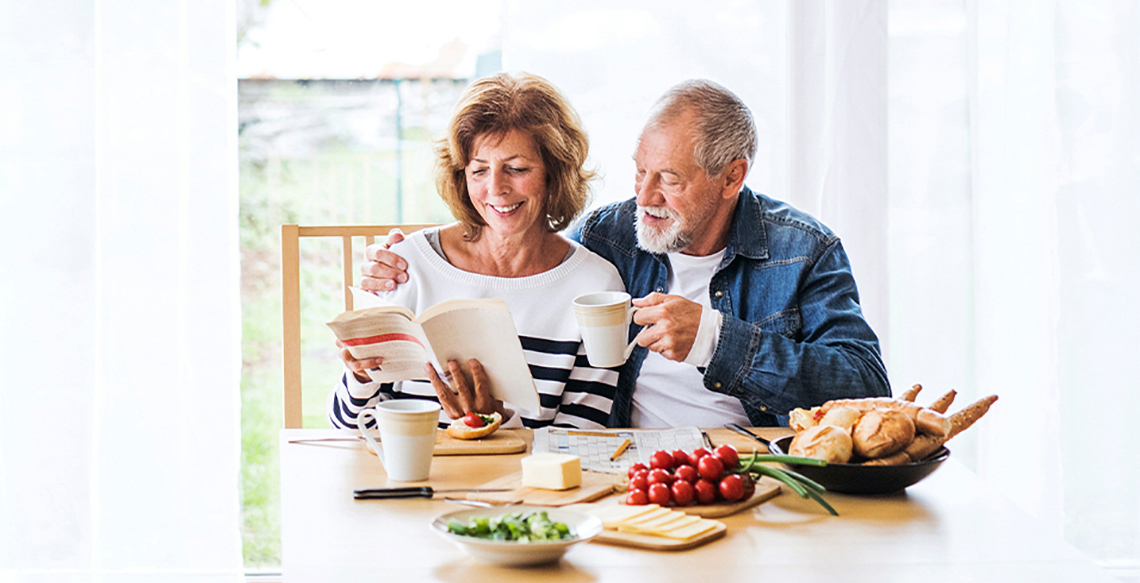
(604,319)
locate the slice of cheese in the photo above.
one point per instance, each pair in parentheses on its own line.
(693,530)
(657,522)
(661,525)
(552,471)
(611,516)
(646,517)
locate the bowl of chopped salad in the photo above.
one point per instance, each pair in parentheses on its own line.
(519,536)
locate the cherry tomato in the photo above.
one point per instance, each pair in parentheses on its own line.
(473,420)
(680,458)
(637,498)
(683,493)
(732,487)
(660,494)
(727,455)
(687,474)
(639,481)
(638,467)
(749,486)
(710,468)
(660,476)
(706,491)
(697,454)
(661,459)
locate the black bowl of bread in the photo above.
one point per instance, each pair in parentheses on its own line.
(876,445)
(858,478)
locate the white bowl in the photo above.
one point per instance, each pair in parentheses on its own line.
(516,553)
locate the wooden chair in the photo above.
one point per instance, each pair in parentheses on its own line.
(291,294)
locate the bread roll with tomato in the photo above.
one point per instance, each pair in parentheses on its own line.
(468,426)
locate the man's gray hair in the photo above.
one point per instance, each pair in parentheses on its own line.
(725,128)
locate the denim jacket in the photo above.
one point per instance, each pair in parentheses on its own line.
(793,332)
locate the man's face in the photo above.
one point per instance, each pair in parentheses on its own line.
(676,199)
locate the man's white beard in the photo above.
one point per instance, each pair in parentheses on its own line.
(661,241)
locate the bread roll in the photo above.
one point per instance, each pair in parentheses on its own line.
(824,442)
(882,432)
(845,417)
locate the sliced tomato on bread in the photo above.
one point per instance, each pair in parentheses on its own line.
(459,428)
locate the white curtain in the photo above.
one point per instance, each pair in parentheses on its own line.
(979,160)
(119,305)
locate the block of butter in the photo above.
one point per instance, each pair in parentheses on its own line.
(552,471)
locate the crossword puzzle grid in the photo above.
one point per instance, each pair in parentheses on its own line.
(595,448)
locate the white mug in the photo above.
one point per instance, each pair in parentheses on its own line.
(407,434)
(604,318)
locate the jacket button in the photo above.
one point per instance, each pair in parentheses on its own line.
(763,408)
(719,294)
(717,385)
(660,290)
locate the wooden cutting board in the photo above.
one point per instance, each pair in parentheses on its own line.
(595,485)
(503,441)
(766,489)
(658,543)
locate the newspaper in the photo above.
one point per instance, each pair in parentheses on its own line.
(596,446)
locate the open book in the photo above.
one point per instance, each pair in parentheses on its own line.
(456,329)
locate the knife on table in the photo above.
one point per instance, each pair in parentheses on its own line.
(747,433)
(413,492)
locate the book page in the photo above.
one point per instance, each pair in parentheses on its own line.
(461,331)
(386,332)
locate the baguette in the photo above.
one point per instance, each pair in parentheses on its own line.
(911,394)
(962,420)
(942,405)
(924,445)
(459,429)
(925,421)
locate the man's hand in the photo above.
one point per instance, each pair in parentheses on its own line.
(672,323)
(464,399)
(382,269)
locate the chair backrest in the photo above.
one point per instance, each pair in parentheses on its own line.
(291,294)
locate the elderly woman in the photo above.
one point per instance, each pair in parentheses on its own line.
(511,170)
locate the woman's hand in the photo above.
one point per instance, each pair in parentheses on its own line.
(463,398)
(383,270)
(360,367)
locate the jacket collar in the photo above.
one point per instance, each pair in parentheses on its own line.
(749,231)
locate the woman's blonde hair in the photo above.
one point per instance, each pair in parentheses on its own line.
(496,105)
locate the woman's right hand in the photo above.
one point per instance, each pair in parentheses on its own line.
(360,367)
(382,270)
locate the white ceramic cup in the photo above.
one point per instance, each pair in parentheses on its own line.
(407,436)
(604,318)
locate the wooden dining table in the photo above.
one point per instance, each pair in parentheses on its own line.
(950,527)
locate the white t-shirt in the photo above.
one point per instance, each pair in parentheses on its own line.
(673,394)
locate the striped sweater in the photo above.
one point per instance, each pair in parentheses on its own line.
(571,392)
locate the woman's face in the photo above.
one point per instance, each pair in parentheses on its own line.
(506,180)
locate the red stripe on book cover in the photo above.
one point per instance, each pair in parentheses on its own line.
(381,338)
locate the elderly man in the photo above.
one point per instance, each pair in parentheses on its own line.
(748,305)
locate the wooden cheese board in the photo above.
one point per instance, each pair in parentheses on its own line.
(658,543)
(595,485)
